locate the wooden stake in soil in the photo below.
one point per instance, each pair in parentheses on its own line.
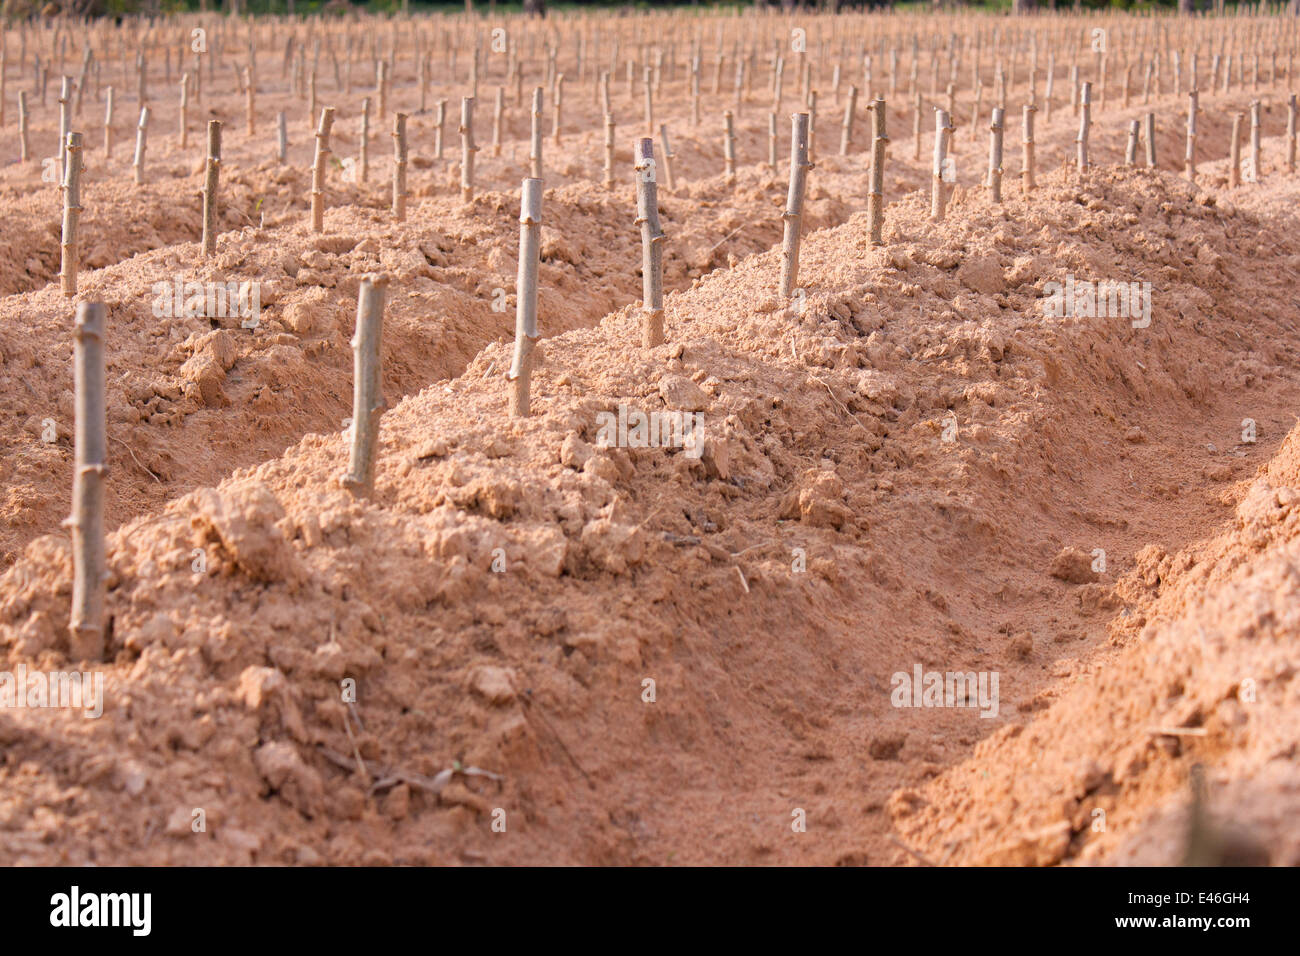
(439,122)
(876,197)
(1189,158)
(668,158)
(184,118)
(793,216)
(213,171)
(729,145)
(652,239)
(250,102)
(1131,153)
(318,167)
(559,107)
(1027,183)
(916,127)
(24,152)
(1151,139)
(609,151)
(938,190)
(63,129)
(141,135)
(1256,161)
(526,335)
(498,111)
(1085,121)
(1234,168)
(996,123)
(281,136)
(467,149)
(71,215)
(367,385)
(363,151)
(535,140)
(846,128)
(108,123)
(89,582)
(399,166)
(1290,133)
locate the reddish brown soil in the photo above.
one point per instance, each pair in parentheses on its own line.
(824,441)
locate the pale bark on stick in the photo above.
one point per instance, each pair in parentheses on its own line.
(609,151)
(1085,124)
(1131,152)
(526,334)
(793,216)
(281,136)
(467,149)
(652,240)
(399,166)
(141,145)
(90,470)
(1235,152)
(208,247)
(996,124)
(319,165)
(108,123)
(729,145)
(1027,182)
(63,128)
(498,112)
(71,216)
(1256,160)
(367,385)
(363,146)
(667,159)
(559,107)
(535,135)
(939,189)
(811,108)
(1234,166)
(771,141)
(24,150)
(1290,132)
(439,123)
(1189,157)
(876,195)
(183,120)
(1047,92)
(846,128)
(649,103)
(250,102)
(916,127)
(1150,131)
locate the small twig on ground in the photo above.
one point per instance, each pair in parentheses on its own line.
(743,583)
(136,460)
(361,764)
(844,407)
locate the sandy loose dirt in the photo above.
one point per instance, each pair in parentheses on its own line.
(569,653)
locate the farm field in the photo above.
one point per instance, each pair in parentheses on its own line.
(686,600)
